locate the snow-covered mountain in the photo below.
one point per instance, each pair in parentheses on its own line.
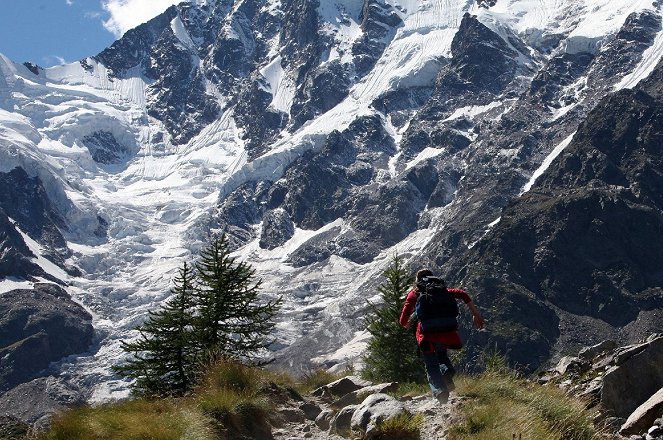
(324,136)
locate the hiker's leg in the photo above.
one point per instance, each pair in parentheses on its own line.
(448,370)
(433,372)
(443,358)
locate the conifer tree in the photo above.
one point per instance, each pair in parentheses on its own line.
(231,321)
(164,358)
(391,354)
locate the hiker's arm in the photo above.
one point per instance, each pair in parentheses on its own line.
(476,316)
(408,308)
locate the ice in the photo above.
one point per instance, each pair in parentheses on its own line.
(427,153)
(281,85)
(9,284)
(546,163)
(48,266)
(650,59)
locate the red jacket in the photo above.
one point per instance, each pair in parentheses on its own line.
(448,339)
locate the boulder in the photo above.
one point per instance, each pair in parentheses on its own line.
(324,418)
(38,327)
(570,364)
(341,423)
(627,386)
(644,416)
(346,385)
(590,353)
(311,410)
(359,395)
(372,411)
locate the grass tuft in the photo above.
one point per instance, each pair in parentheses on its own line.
(131,420)
(503,406)
(402,427)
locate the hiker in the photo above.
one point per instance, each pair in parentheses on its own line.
(437,327)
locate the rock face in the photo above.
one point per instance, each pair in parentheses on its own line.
(24,201)
(637,377)
(620,383)
(38,327)
(644,416)
(584,239)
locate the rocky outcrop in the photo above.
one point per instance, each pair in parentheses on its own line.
(25,204)
(39,326)
(644,416)
(35,402)
(622,384)
(374,410)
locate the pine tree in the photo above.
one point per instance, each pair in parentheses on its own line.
(231,321)
(164,358)
(391,354)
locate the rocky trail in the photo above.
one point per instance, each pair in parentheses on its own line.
(357,412)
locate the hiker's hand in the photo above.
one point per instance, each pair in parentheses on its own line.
(478,321)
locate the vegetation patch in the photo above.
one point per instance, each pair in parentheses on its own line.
(500,405)
(132,420)
(402,427)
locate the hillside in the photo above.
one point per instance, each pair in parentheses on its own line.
(511,145)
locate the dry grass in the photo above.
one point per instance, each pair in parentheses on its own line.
(132,420)
(403,427)
(502,406)
(229,394)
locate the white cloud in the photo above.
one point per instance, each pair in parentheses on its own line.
(127,14)
(53,60)
(69,2)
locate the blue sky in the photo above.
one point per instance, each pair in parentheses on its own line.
(50,32)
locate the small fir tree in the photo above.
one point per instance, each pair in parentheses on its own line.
(164,361)
(391,354)
(231,321)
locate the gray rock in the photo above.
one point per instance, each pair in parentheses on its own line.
(38,327)
(35,401)
(311,410)
(627,386)
(644,416)
(12,428)
(373,410)
(590,353)
(359,395)
(573,365)
(341,423)
(346,385)
(323,419)
(292,415)
(277,228)
(104,148)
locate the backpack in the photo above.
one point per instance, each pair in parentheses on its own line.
(436,308)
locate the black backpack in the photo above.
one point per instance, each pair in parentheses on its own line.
(437,310)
